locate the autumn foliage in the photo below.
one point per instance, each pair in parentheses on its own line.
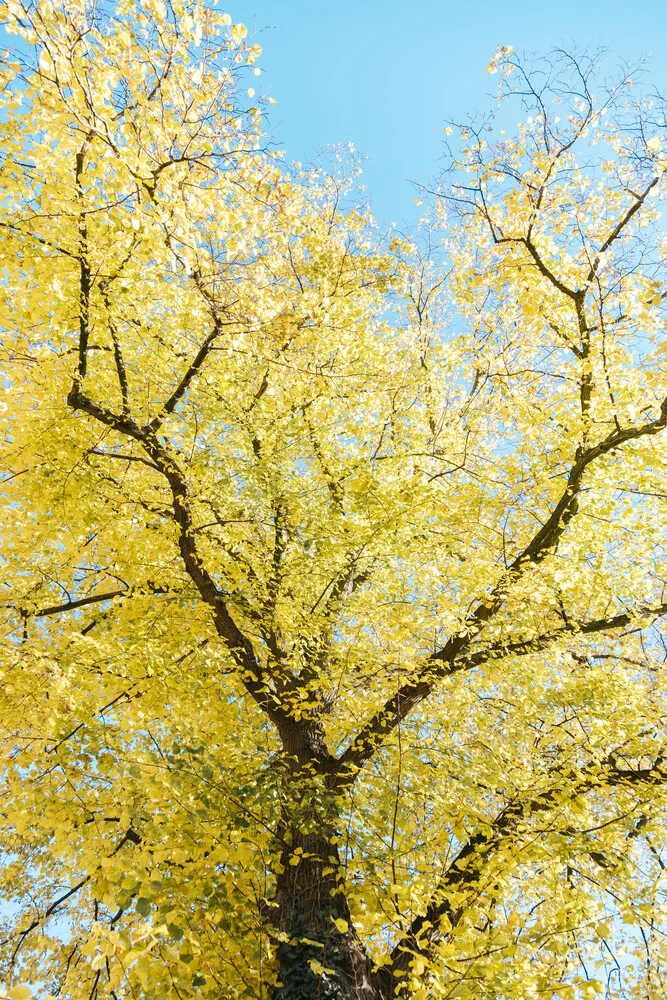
(332,663)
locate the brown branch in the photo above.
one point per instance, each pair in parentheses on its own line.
(553,528)
(523,647)
(121,370)
(280,542)
(620,226)
(125,458)
(57,609)
(39,920)
(130,836)
(445,661)
(82,602)
(239,646)
(85,273)
(545,271)
(468,868)
(194,368)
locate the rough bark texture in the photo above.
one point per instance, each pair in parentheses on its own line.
(322,957)
(308,901)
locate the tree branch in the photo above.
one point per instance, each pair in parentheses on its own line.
(85,273)
(194,368)
(40,920)
(124,458)
(446,661)
(57,609)
(620,226)
(239,646)
(468,868)
(130,836)
(522,647)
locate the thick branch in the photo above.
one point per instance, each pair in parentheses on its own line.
(449,659)
(58,609)
(124,458)
(621,224)
(120,368)
(522,647)
(470,866)
(54,906)
(82,602)
(293,735)
(85,274)
(545,271)
(545,539)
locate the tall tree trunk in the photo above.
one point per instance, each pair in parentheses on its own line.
(322,959)
(320,956)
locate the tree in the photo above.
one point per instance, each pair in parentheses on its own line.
(332,662)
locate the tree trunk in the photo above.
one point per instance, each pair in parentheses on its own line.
(320,956)
(323,959)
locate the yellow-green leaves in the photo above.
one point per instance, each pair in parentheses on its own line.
(333,576)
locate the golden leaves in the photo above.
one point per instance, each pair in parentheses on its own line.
(287,426)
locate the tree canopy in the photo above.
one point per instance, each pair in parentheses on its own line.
(332,662)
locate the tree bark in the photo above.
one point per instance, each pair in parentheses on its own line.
(322,958)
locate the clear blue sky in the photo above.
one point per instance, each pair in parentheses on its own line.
(385,75)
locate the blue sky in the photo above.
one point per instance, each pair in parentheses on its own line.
(385,75)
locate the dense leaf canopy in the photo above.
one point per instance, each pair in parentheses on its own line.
(333,564)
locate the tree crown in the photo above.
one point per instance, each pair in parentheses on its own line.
(332,662)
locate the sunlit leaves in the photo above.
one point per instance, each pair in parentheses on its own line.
(223,390)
